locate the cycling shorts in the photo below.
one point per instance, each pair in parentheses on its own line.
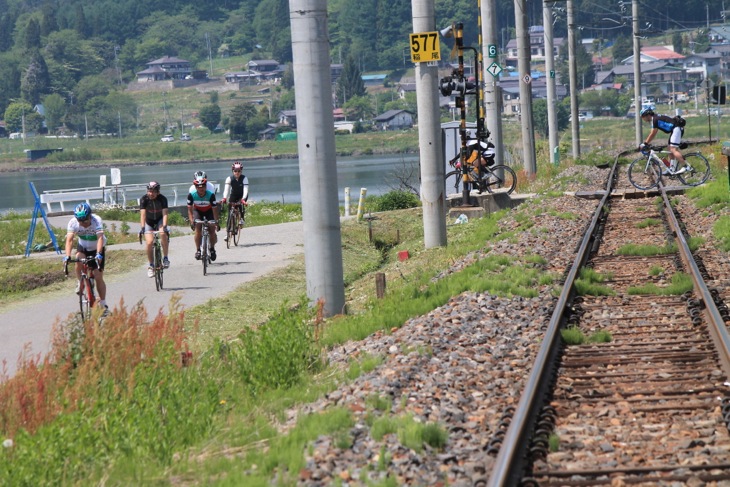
(92,253)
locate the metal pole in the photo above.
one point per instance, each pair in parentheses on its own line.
(461,104)
(573,71)
(552,112)
(523,67)
(492,91)
(316,147)
(429,135)
(637,70)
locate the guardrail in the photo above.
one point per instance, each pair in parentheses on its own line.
(115,195)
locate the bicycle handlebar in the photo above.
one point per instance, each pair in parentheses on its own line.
(84,261)
(206,221)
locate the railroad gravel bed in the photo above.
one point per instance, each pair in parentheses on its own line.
(460,366)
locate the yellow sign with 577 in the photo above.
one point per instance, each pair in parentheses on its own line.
(425,47)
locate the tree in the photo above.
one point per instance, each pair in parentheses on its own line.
(622,48)
(210,116)
(33,35)
(540,117)
(80,24)
(9,79)
(359,108)
(350,83)
(15,113)
(55,109)
(596,101)
(90,87)
(677,42)
(35,81)
(237,123)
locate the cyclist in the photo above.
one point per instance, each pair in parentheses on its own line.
(153,212)
(668,125)
(92,241)
(237,189)
(202,204)
(199,175)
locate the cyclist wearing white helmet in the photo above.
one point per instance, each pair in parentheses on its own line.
(153,212)
(202,205)
(236,188)
(668,125)
(92,241)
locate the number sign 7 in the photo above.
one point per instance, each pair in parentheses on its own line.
(420,42)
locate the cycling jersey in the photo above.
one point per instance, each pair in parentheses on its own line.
(203,203)
(237,189)
(664,123)
(153,208)
(88,236)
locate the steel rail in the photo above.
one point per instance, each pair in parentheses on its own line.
(509,465)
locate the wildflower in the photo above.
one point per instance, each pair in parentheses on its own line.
(8,443)
(223,401)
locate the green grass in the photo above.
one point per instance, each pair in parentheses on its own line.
(574,336)
(648,222)
(680,284)
(589,282)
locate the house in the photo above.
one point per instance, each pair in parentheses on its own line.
(288,118)
(374,79)
(335,72)
(404,88)
(537,46)
(269,133)
(263,65)
(167,67)
(394,120)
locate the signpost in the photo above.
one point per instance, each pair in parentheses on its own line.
(425,47)
(494,69)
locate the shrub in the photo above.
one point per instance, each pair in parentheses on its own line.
(395,200)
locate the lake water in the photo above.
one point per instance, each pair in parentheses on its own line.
(269,179)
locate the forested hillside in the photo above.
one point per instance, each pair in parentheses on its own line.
(50,47)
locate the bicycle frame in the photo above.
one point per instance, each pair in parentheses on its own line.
(87,298)
(204,243)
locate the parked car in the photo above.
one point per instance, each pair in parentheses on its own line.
(185,137)
(167,138)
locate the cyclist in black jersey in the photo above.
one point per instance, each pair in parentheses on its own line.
(153,210)
(236,189)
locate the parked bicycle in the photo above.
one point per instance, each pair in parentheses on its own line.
(87,296)
(480,177)
(647,171)
(235,222)
(157,262)
(205,243)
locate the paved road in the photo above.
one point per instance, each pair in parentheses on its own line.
(261,250)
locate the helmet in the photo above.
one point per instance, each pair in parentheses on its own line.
(200,178)
(646,111)
(236,166)
(154,185)
(82,211)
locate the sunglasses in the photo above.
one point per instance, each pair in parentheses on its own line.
(200,185)
(236,170)
(83,219)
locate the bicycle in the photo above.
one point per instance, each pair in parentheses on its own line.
(157,264)
(87,298)
(646,172)
(234,224)
(205,243)
(489,178)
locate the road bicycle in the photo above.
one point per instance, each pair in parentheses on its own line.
(87,297)
(490,178)
(205,243)
(157,263)
(647,171)
(235,222)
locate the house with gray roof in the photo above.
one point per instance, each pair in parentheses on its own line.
(394,120)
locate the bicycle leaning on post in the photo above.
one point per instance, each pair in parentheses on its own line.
(235,222)
(205,243)
(481,177)
(157,260)
(87,298)
(647,171)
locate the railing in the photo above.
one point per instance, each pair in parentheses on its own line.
(115,195)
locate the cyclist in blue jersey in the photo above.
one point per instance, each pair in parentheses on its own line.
(668,125)
(202,205)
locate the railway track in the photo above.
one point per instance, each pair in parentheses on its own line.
(651,404)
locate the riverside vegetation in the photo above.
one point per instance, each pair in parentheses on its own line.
(178,399)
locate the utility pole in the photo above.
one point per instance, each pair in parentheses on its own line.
(116,61)
(523,68)
(492,90)
(552,112)
(317,162)
(573,71)
(637,70)
(429,135)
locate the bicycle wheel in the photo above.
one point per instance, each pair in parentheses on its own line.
(454,180)
(237,225)
(204,251)
(699,172)
(501,177)
(157,257)
(230,228)
(645,175)
(84,307)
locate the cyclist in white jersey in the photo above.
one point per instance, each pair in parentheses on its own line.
(92,241)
